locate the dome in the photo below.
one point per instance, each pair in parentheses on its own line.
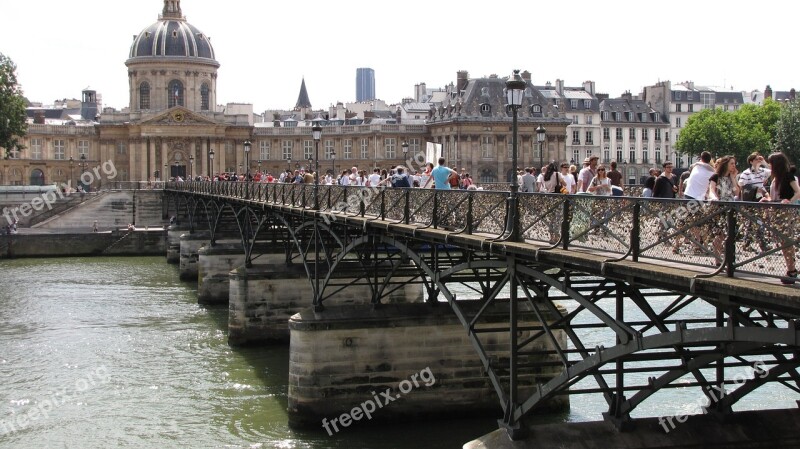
(172,36)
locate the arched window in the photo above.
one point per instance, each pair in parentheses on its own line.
(37,177)
(144,96)
(204,97)
(175,94)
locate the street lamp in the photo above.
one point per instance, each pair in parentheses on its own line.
(289,163)
(541,134)
(333,168)
(71,163)
(247,157)
(191,167)
(259,166)
(211,164)
(405,149)
(166,170)
(83,169)
(316,133)
(515,88)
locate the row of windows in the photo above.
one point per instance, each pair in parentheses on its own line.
(392,149)
(632,133)
(631,116)
(175,95)
(58,147)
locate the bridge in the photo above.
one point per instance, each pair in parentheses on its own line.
(624,297)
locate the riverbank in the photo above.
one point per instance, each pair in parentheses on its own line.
(71,243)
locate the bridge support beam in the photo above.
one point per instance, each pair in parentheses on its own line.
(262,298)
(215,263)
(174,234)
(350,357)
(190,245)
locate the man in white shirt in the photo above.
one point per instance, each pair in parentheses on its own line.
(697,184)
(587,173)
(752,180)
(375,178)
(569,180)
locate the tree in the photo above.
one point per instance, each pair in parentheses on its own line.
(708,130)
(13,123)
(787,133)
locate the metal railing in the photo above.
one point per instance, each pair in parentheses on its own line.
(734,237)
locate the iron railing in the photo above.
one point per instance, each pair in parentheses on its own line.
(735,237)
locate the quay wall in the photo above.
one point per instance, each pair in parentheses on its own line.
(114,243)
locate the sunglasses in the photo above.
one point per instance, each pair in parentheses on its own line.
(601,169)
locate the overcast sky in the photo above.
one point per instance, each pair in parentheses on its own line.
(266,48)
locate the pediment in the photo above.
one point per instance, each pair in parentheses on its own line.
(178,116)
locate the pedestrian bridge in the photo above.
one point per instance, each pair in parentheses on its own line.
(652,294)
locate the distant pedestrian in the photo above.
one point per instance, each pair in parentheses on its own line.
(94,226)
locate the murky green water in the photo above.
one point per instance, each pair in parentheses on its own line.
(102,353)
(105,353)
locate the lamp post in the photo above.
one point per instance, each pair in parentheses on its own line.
(211,164)
(191,168)
(247,157)
(83,169)
(541,135)
(71,163)
(259,166)
(316,133)
(289,163)
(333,167)
(405,150)
(625,171)
(515,88)
(166,170)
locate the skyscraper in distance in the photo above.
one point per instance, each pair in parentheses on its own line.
(365,84)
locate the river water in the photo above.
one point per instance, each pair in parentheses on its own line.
(116,352)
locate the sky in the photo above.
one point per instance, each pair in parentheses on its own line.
(267,48)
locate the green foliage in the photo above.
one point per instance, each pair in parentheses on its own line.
(12,108)
(787,135)
(737,133)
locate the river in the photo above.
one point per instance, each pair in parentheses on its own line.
(116,352)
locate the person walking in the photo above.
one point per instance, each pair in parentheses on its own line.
(751,181)
(722,184)
(529,184)
(614,175)
(600,184)
(666,185)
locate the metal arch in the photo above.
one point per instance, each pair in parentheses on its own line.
(680,337)
(242,217)
(756,382)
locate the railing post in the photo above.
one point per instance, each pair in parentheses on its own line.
(383,204)
(407,207)
(470,203)
(636,237)
(435,218)
(730,242)
(565,222)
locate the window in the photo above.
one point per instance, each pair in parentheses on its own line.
(122,148)
(677,122)
(619,154)
(656,117)
(657,132)
(263,149)
(175,94)
(617,116)
(364,148)
(59,147)
(587,104)
(414,146)
(677,95)
(36,148)
(666,136)
(573,104)
(691,107)
(576,137)
(619,134)
(308,149)
(606,155)
(677,107)
(632,155)
(536,109)
(632,133)
(604,115)
(658,155)
(485,108)
(83,148)
(348,149)
(588,119)
(144,96)
(645,157)
(328,148)
(286,149)
(575,120)
(389,147)
(486,147)
(576,156)
(606,133)
(589,138)
(645,134)
(204,91)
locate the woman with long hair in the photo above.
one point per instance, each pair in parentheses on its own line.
(551,180)
(784,189)
(722,185)
(600,184)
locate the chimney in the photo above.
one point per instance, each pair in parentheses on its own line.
(768,92)
(588,86)
(560,87)
(526,75)
(462,78)
(38,117)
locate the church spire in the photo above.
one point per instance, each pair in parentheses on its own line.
(172,10)
(302,100)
